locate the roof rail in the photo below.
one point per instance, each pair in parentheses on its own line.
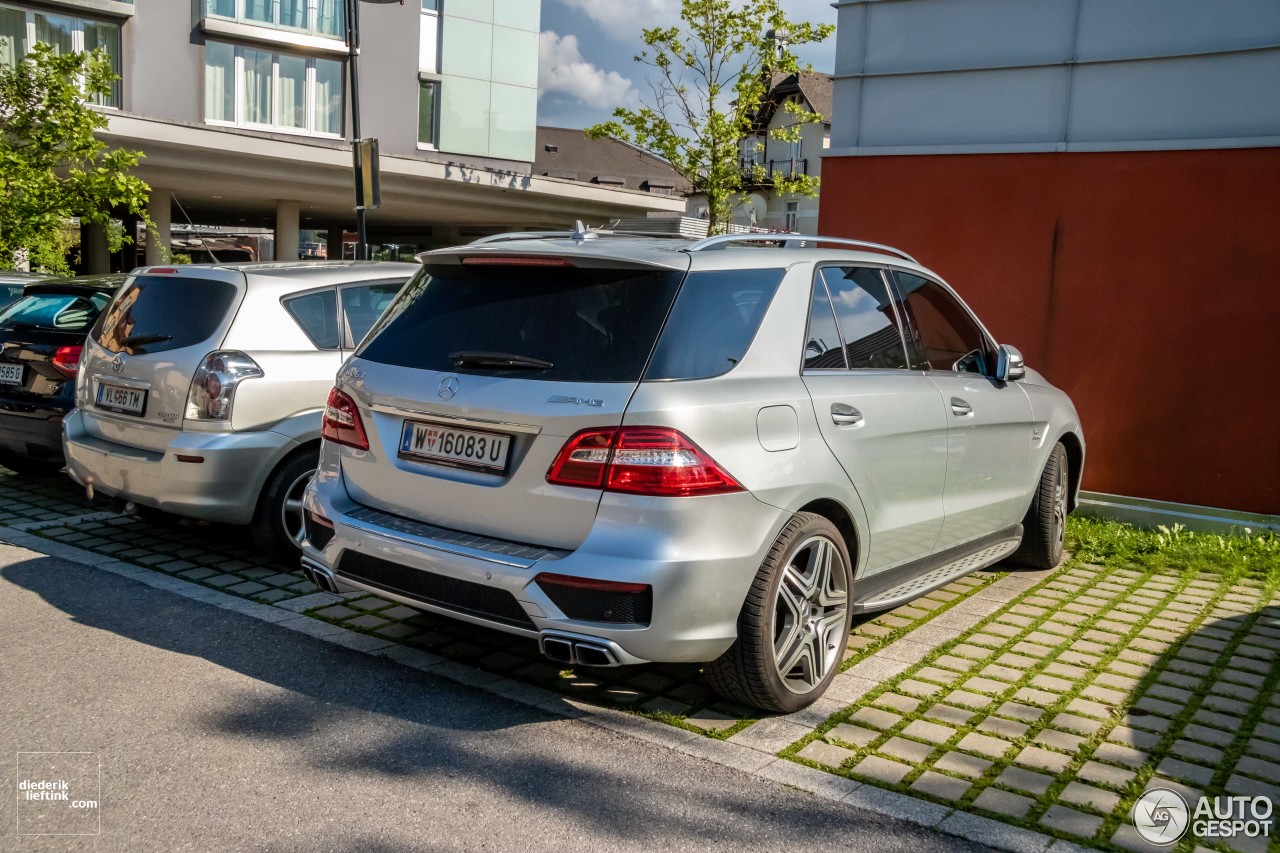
(793,241)
(520,235)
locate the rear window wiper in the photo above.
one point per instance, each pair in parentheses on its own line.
(138,340)
(479,358)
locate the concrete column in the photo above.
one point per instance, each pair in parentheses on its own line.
(333,242)
(93,246)
(160,208)
(286,230)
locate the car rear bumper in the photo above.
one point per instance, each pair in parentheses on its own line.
(698,555)
(223,486)
(32,430)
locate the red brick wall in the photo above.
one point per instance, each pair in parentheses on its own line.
(1145,284)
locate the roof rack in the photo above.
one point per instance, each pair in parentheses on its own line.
(521,235)
(792,241)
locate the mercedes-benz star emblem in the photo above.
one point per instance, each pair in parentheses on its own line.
(117,364)
(448,387)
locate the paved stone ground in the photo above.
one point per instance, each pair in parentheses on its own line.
(1039,701)
(215,556)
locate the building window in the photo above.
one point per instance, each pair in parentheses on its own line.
(248,87)
(431,5)
(428,99)
(22,29)
(314,17)
(792,214)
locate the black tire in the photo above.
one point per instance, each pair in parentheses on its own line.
(269,530)
(749,672)
(1045,525)
(30,465)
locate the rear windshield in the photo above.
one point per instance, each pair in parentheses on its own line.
(157,313)
(64,312)
(563,323)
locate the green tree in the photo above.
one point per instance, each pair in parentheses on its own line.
(53,167)
(713,72)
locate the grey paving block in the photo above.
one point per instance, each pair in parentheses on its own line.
(856,735)
(1024,780)
(825,753)
(929,732)
(905,750)
(1069,820)
(1106,774)
(1175,769)
(710,720)
(881,769)
(1080,794)
(963,764)
(940,786)
(985,745)
(770,735)
(1003,802)
(1042,759)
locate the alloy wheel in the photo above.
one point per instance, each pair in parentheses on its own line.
(1060,503)
(291,510)
(809,615)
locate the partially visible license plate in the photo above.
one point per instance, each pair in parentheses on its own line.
(122,399)
(10,374)
(459,448)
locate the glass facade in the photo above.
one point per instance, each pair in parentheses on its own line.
(313,17)
(249,87)
(21,29)
(488,95)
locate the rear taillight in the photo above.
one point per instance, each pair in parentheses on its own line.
(67,359)
(342,424)
(640,460)
(213,388)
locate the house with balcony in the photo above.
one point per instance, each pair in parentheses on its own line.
(760,206)
(242,108)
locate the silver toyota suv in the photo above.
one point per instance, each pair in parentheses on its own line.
(641,449)
(201,388)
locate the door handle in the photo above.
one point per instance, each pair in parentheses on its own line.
(960,407)
(845,415)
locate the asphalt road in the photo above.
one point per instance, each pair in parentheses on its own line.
(221,732)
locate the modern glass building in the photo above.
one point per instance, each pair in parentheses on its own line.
(243,111)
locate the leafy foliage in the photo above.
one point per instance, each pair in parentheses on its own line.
(1244,554)
(714,73)
(52,165)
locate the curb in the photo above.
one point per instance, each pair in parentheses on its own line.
(747,751)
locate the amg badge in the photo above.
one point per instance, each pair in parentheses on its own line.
(577,401)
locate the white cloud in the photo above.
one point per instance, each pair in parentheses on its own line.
(562,69)
(623,20)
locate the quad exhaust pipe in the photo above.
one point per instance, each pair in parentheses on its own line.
(320,576)
(571,651)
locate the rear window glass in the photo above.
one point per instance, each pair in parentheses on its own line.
(158,313)
(64,312)
(714,320)
(588,325)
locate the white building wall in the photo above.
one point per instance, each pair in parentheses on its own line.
(937,76)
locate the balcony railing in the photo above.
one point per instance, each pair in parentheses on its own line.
(775,169)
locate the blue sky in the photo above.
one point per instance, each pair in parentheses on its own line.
(586,50)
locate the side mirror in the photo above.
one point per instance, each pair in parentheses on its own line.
(1009,367)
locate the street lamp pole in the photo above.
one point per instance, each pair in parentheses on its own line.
(353,54)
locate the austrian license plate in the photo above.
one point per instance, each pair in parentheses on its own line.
(10,374)
(120,398)
(458,448)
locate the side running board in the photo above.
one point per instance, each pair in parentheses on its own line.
(888,589)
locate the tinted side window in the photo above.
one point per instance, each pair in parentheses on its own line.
(67,312)
(947,337)
(317,314)
(713,322)
(362,305)
(866,317)
(161,312)
(822,347)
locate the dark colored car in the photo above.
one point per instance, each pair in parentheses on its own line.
(41,337)
(12,283)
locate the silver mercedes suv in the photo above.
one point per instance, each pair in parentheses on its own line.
(200,389)
(642,449)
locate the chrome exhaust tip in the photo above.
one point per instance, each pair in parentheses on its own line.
(570,650)
(557,649)
(320,576)
(589,654)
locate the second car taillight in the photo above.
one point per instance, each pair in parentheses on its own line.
(213,388)
(640,460)
(67,359)
(342,424)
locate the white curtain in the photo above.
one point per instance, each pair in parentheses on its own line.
(219,81)
(291,103)
(328,97)
(257,86)
(329,18)
(13,32)
(293,13)
(54,30)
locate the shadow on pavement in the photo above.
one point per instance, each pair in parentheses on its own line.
(349,715)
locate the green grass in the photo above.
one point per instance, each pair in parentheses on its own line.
(1234,555)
